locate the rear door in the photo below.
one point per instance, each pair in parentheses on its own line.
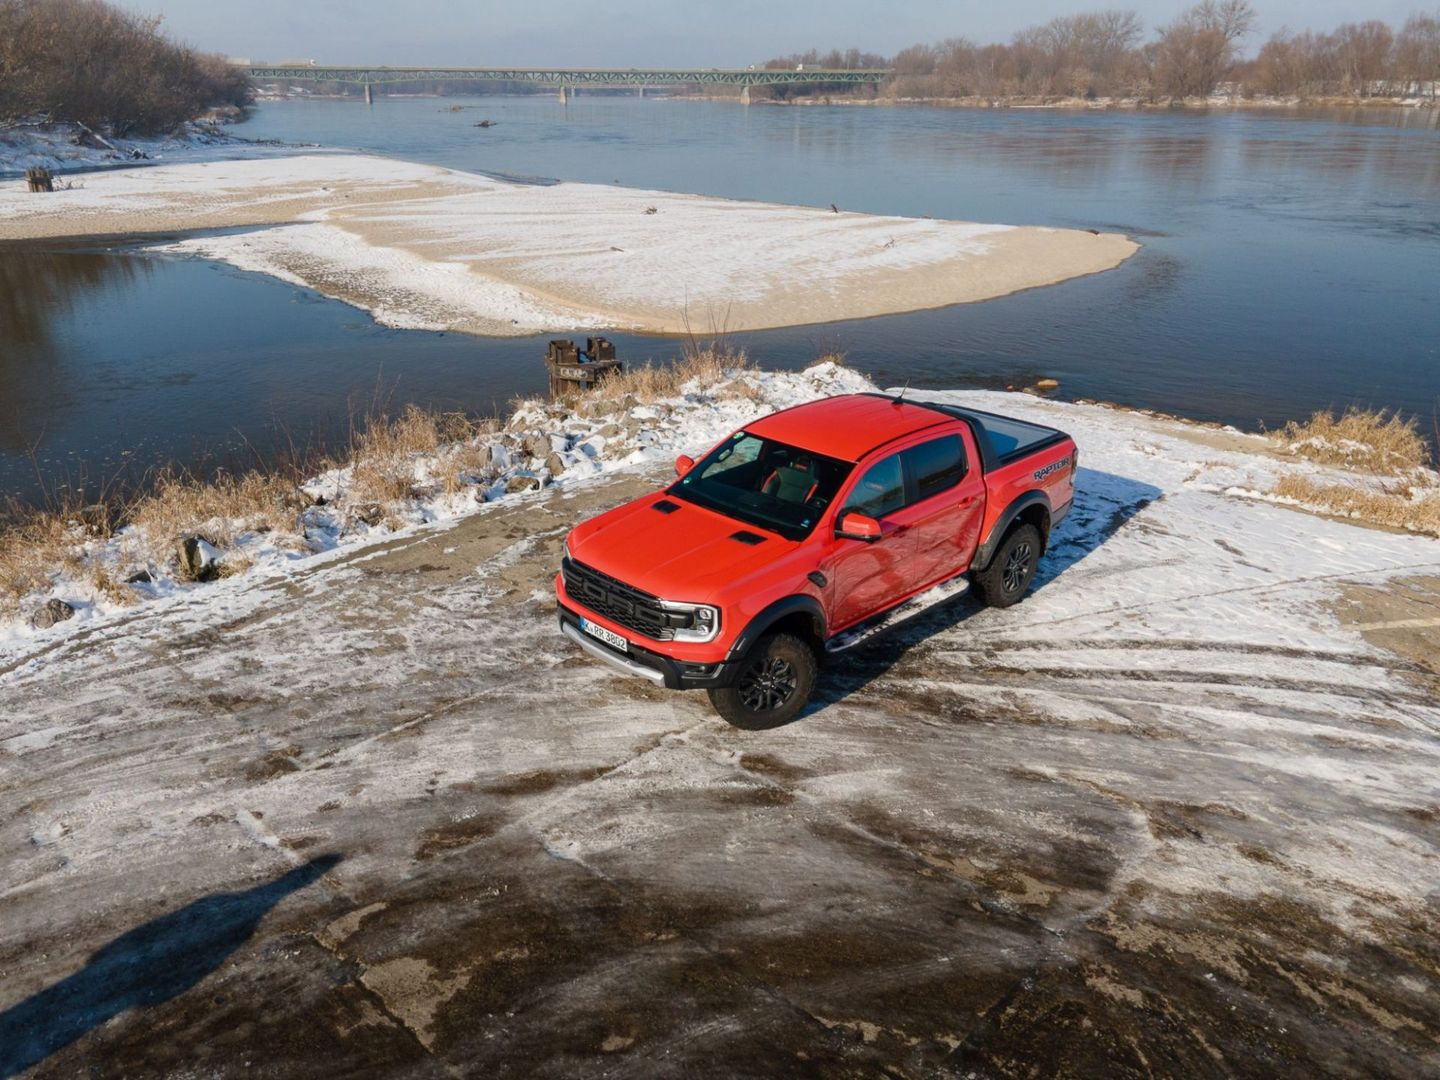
(945,491)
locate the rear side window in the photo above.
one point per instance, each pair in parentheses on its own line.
(880,491)
(935,466)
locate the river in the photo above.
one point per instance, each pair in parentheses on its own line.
(1290,263)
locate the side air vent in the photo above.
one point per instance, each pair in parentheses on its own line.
(747,537)
(665,506)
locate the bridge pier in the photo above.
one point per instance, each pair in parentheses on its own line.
(745,94)
(642,91)
(369,95)
(564,98)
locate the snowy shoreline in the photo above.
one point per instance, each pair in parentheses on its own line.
(420,246)
(543,445)
(68,149)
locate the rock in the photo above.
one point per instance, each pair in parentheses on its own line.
(370,514)
(537,446)
(517,484)
(555,463)
(601,407)
(610,431)
(50,613)
(140,577)
(1046,384)
(199,559)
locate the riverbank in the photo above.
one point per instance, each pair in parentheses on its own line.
(1128,103)
(422,247)
(405,472)
(64,147)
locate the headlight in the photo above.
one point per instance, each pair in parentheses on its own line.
(692,622)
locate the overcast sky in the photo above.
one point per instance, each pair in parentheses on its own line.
(649,33)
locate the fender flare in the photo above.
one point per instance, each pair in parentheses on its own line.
(773,613)
(986,551)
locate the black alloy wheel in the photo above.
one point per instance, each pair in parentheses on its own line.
(1018,564)
(772,686)
(1005,580)
(766,683)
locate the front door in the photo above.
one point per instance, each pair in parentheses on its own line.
(866,575)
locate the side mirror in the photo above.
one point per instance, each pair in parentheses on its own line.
(683,464)
(855,526)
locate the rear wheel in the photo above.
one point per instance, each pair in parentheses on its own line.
(1011,571)
(772,686)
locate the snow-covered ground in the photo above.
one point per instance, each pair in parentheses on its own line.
(1175,808)
(66,148)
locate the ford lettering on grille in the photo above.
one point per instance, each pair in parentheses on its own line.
(630,607)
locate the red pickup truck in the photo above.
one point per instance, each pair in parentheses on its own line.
(797,532)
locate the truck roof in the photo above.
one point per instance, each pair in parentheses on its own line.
(847,427)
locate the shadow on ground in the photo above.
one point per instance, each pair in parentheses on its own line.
(1104,503)
(144,967)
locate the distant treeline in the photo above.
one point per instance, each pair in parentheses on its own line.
(86,61)
(1105,55)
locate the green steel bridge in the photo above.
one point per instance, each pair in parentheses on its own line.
(568,79)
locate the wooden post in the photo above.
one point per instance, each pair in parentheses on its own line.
(40,180)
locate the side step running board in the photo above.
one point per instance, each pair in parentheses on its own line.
(887,620)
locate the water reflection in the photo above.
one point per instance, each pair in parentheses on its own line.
(39,290)
(1288,265)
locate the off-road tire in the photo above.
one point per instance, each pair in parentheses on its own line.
(772,685)
(1008,577)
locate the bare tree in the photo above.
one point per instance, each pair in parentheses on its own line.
(1196,51)
(1417,54)
(1363,55)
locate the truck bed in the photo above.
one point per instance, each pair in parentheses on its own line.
(1003,440)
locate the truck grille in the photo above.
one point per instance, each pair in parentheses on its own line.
(624,604)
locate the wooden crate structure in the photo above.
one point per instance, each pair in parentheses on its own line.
(39,180)
(570,372)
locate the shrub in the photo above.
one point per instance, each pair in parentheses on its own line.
(85,61)
(1374,440)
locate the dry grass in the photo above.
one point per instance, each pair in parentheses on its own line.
(384,453)
(31,552)
(1403,507)
(1373,440)
(219,508)
(391,462)
(710,365)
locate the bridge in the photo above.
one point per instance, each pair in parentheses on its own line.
(569,79)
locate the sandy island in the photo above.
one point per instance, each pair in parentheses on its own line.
(431,248)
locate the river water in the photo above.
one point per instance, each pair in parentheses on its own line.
(1291,262)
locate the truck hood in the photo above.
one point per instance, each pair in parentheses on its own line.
(686,554)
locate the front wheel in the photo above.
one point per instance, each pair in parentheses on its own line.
(1011,571)
(772,686)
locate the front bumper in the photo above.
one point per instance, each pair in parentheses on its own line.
(643,663)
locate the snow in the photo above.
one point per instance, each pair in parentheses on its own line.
(427,247)
(63,148)
(690,423)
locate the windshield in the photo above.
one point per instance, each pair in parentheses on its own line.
(762,482)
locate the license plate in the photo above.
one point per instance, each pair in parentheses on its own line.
(608,636)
